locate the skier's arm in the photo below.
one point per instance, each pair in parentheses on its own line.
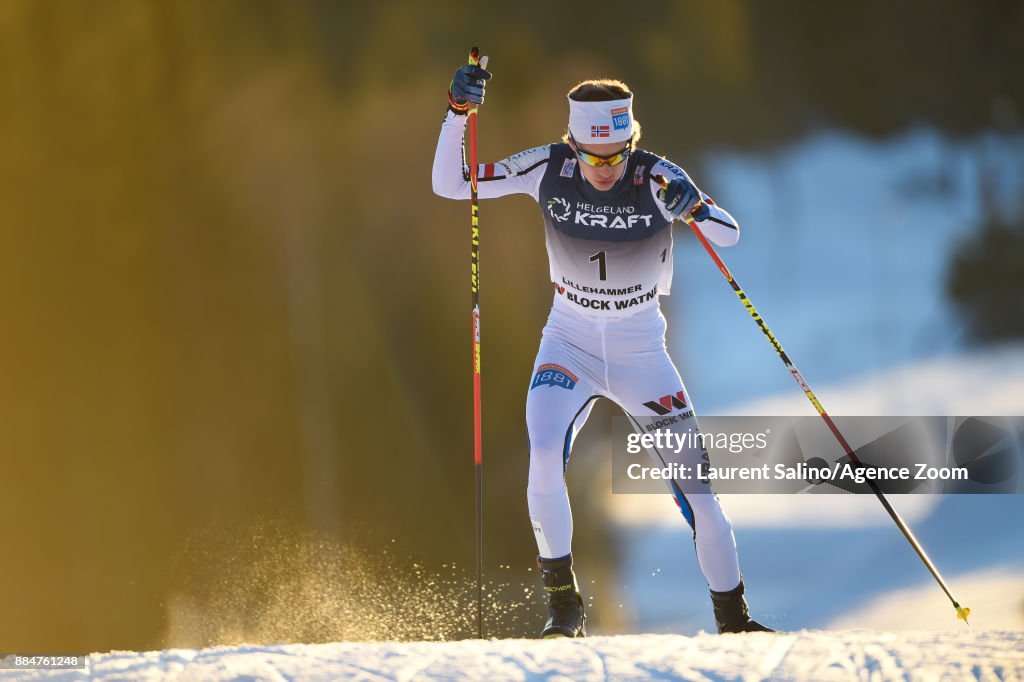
(714,222)
(519,174)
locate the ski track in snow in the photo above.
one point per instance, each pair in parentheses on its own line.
(806,655)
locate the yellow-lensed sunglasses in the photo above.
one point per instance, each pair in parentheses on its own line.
(598,160)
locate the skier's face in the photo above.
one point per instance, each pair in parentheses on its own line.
(605,176)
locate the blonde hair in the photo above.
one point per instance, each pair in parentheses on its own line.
(603,90)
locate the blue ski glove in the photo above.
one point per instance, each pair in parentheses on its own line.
(467,88)
(681,196)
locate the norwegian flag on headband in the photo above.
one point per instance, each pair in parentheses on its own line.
(599,131)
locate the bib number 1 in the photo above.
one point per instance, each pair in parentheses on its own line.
(602,264)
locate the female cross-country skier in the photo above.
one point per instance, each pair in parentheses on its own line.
(607,224)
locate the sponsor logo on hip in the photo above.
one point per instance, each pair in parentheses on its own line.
(551,374)
(667,403)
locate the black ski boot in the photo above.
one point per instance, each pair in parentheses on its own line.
(731,612)
(564,601)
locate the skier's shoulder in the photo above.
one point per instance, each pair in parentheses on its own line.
(661,165)
(528,160)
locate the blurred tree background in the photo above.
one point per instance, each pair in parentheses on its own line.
(230,299)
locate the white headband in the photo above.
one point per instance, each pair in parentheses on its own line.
(601,122)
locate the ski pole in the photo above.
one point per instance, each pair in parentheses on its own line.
(961,612)
(474,257)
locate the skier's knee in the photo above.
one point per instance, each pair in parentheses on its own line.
(547,471)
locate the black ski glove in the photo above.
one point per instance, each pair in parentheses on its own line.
(467,87)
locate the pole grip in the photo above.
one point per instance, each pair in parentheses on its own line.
(663,183)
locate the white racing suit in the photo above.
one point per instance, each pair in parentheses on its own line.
(610,256)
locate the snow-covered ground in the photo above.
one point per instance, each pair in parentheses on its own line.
(808,655)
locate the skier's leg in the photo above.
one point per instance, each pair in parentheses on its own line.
(654,392)
(558,403)
(651,391)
